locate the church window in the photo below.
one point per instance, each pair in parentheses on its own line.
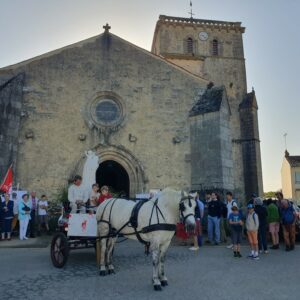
(215,47)
(106,111)
(190,45)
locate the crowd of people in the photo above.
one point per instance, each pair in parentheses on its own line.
(27,214)
(258,220)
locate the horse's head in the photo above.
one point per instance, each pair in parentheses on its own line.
(187,206)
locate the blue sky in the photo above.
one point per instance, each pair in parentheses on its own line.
(272,46)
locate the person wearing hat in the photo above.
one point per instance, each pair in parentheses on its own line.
(262,214)
(77,196)
(252,225)
(24,215)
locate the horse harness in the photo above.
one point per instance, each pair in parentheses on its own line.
(133,221)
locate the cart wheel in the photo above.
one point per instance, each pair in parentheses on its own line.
(59,250)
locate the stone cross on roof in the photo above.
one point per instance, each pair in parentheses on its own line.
(106,27)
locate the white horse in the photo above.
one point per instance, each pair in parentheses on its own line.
(153,223)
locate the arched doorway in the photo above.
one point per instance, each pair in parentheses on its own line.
(112,174)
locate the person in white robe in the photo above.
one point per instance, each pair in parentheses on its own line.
(78,195)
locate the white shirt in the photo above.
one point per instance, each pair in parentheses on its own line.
(16,206)
(94,195)
(76,192)
(42,211)
(229,207)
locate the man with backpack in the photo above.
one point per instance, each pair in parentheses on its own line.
(288,219)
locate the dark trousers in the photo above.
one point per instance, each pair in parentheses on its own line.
(6,228)
(289,234)
(32,222)
(262,237)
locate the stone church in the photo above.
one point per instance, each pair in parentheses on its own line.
(177,116)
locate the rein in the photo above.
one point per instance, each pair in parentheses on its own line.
(132,222)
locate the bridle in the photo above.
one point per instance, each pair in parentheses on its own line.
(182,207)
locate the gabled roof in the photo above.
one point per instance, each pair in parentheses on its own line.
(210,101)
(93,39)
(294,160)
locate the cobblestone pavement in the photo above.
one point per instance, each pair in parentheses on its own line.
(211,273)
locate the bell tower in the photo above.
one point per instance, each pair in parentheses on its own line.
(213,50)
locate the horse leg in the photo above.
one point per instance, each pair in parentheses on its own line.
(155,261)
(111,269)
(103,257)
(161,264)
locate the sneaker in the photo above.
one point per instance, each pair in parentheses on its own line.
(260,251)
(256,257)
(250,255)
(25,238)
(229,246)
(266,252)
(194,248)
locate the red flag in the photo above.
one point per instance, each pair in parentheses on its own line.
(6,185)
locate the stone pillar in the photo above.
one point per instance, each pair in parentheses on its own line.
(211,144)
(11,98)
(250,143)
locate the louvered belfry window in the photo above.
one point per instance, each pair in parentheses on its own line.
(190,45)
(215,48)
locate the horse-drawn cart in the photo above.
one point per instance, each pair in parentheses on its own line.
(76,231)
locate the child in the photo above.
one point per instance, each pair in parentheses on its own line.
(43,214)
(104,194)
(94,196)
(252,224)
(236,226)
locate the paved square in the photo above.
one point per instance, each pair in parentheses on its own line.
(211,273)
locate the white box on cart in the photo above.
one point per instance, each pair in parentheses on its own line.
(84,225)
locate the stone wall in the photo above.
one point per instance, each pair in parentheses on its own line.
(211,148)
(60,86)
(11,94)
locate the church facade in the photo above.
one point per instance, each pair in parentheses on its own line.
(177,116)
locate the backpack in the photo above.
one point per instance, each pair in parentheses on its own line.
(253,216)
(287,215)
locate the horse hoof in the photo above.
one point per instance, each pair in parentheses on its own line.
(102,273)
(164,283)
(157,287)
